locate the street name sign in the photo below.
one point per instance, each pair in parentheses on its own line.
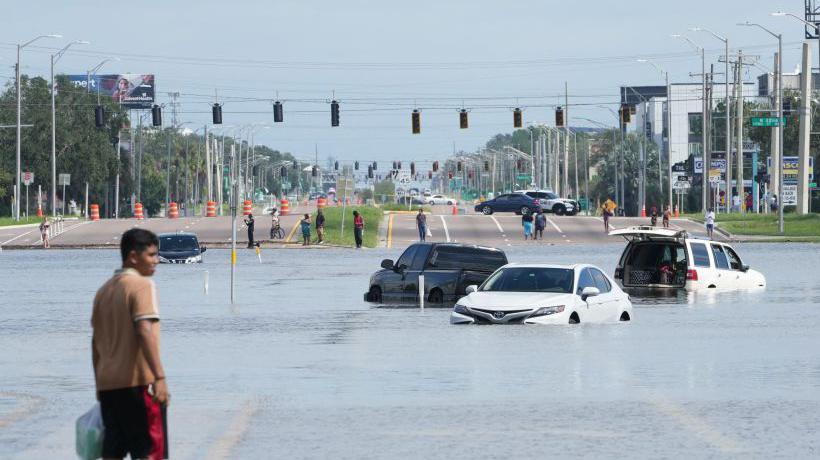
(766,121)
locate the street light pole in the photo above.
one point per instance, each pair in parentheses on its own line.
(777,162)
(17,181)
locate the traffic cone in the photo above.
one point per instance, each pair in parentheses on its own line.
(455,210)
(676,211)
(39,210)
(643,211)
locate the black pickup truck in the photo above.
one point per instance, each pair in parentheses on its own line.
(448,269)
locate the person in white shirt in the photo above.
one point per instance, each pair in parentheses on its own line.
(710,223)
(736,203)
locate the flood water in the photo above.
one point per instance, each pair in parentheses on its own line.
(301,367)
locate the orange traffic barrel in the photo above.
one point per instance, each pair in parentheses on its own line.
(138,211)
(284,207)
(643,211)
(321,202)
(94,211)
(173,210)
(247,207)
(211,209)
(455,210)
(677,213)
(39,211)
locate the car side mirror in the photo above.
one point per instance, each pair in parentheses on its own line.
(387,264)
(202,248)
(471,288)
(744,268)
(589,291)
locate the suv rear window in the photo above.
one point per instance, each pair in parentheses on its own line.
(477,259)
(700,255)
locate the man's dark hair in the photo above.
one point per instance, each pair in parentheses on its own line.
(137,239)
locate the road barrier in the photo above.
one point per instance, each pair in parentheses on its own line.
(138,211)
(284,207)
(173,210)
(94,211)
(247,207)
(211,209)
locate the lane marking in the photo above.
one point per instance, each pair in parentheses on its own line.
(390,231)
(18,236)
(553,224)
(446,231)
(236,430)
(497,224)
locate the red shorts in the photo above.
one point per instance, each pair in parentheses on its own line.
(134,424)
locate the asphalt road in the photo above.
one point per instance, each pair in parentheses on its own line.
(497,230)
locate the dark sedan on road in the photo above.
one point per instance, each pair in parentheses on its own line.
(509,202)
(448,269)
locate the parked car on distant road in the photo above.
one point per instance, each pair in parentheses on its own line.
(179,248)
(448,269)
(551,202)
(659,258)
(509,202)
(441,199)
(544,294)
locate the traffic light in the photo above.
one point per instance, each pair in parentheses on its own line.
(486,166)
(412,168)
(462,119)
(416,121)
(99,116)
(450,175)
(314,171)
(334,113)
(278,113)
(559,117)
(217,114)
(458,166)
(470,174)
(787,105)
(395,165)
(370,172)
(156,115)
(356,165)
(375,166)
(399,164)
(336,166)
(295,165)
(435,166)
(517,118)
(518,164)
(283,172)
(625,113)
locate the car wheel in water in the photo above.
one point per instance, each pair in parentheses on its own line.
(436,296)
(486,210)
(573,318)
(375,294)
(625,316)
(558,210)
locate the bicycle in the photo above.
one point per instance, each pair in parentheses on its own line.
(277,233)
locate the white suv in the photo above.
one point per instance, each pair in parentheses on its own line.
(551,202)
(672,259)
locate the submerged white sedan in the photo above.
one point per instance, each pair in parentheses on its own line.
(544,294)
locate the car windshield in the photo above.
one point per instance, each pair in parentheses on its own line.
(177,243)
(530,279)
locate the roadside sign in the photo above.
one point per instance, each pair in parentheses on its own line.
(64,179)
(523,177)
(28,178)
(791,169)
(813,185)
(767,121)
(789,195)
(681,186)
(698,165)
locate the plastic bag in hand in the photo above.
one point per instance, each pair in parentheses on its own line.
(90,432)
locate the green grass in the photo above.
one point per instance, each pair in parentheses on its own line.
(333,224)
(5,221)
(807,225)
(403,207)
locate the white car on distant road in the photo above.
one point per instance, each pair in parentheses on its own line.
(662,258)
(544,294)
(441,199)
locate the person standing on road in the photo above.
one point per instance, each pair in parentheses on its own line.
(421,223)
(526,221)
(125,352)
(305,224)
(667,214)
(320,227)
(710,223)
(607,211)
(250,223)
(44,225)
(358,228)
(540,224)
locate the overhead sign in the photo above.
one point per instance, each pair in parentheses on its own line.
(523,177)
(766,121)
(28,178)
(64,179)
(133,91)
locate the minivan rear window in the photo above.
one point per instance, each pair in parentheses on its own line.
(456,258)
(700,255)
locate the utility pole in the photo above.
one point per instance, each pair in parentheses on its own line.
(739,141)
(776,159)
(803,195)
(565,184)
(707,157)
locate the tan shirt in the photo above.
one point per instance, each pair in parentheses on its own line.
(123,300)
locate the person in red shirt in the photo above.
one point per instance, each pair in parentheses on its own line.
(358,228)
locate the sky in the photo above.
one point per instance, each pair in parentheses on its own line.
(382,59)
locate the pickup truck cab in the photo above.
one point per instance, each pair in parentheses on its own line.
(657,258)
(448,269)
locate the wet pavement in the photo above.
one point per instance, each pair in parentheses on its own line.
(301,367)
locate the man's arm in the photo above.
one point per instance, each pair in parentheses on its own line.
(148,337)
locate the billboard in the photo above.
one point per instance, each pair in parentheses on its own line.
(132,90)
